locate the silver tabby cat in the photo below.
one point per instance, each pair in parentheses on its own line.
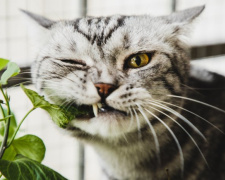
(131,74)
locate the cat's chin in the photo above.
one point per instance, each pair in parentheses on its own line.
(106,124)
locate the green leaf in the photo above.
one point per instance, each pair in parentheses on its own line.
(26,169)
(37,100)
(3,63)
(29,145)
(61,116)
(10,153)
(12,70)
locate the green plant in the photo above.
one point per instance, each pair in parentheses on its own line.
(21,157)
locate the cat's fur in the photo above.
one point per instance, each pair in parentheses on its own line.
(141,140)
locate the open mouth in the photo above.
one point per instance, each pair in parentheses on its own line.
(96,109)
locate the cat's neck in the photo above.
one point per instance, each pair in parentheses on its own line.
(129,160)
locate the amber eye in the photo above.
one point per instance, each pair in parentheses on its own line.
(138,60)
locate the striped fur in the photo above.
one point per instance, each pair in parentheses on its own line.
(152,133)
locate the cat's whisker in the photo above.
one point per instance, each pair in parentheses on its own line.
(185,86)
(55,95)
(178,115)
(193,114)
(153,132)
(132,118)
(26,72)
(193,140)
(123,133)
(19,78)
(197,101)
(52,85)
(138,123)
(174,137)
(66,102)
(124,136)
(17,84)
(70,80)
(60,77)
(51,88)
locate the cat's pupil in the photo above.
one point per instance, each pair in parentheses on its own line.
(137,60)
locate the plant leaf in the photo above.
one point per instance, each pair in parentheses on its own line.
(26,169)
(61,116)
(37,100)
(3,63)
(29,145)
(12,70)
(10,153)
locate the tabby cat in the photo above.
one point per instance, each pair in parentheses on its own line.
(148,118)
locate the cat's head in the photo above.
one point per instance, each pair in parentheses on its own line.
(121,66)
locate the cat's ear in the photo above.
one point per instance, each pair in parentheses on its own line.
(38,29)
(186,16)
(44,22)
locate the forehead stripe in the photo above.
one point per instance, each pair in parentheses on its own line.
(101,37)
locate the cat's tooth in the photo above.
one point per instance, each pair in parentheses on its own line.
(99,105)
(95,109)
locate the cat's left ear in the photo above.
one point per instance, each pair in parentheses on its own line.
(185,16)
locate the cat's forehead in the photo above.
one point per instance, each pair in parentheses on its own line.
(100,29)
(110,36)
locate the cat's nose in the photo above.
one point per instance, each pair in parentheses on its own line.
(105,90)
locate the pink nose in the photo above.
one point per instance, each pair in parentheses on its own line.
(104,89)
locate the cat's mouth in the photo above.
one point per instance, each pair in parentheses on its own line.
(98,109)
(101,108)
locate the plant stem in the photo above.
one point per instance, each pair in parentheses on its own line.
(5,118)
(18,127)
(2,111)
(6,133)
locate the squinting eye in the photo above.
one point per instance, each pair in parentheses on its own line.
(138,60)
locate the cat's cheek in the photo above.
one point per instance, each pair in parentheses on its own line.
(124,100)
(85,96)
(91,95)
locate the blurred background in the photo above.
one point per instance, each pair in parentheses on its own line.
(64,154)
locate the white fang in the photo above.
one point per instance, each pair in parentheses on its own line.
(95,109)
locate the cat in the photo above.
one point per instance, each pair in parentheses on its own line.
(148,117)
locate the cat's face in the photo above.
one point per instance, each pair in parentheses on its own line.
(116,65)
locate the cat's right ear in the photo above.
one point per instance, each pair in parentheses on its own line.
(38,29)
(44,22)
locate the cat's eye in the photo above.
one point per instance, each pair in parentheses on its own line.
(138,60)
(74,62)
